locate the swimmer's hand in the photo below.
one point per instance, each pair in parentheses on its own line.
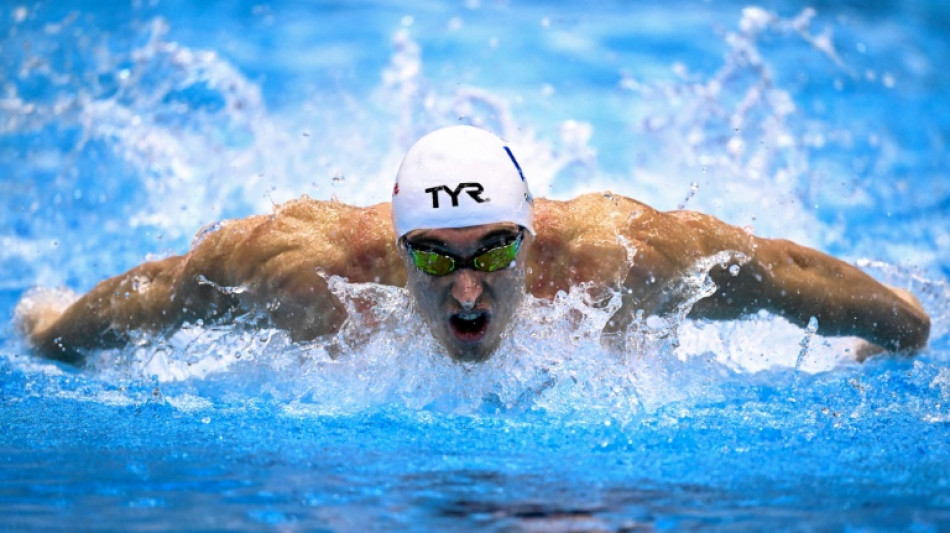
(905,295)
(865,350)
(39,309)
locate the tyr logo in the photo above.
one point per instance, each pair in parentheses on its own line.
(473,189)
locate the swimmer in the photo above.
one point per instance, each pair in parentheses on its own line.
(465,236)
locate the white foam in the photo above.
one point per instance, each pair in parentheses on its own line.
(727,142)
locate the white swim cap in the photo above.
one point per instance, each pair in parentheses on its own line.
(460,176)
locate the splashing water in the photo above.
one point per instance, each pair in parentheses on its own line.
(127,129)
(810,331)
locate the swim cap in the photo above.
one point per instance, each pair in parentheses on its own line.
(460,176)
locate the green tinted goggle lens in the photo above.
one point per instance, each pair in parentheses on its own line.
(491,260)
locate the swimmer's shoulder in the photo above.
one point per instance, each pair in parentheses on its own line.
(302,224)
(354,242)
(326,219)
(590,213)
(582,240)
(305,235)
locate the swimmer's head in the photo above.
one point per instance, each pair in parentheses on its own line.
(457,177)
(464,218)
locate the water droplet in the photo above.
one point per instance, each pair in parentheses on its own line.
(810,331)
(19,14)
(734,270)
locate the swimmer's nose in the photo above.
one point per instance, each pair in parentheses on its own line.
(467,288)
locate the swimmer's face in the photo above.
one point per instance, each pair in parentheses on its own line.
(467,309)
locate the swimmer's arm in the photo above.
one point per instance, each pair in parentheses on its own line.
(798,283)
(103,317)
(273,265)
(153,297)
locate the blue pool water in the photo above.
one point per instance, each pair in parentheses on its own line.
(126,127)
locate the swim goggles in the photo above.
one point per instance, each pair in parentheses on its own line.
(440,263)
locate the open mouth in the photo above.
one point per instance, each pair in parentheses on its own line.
(469,326)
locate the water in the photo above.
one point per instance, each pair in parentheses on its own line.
(126,128)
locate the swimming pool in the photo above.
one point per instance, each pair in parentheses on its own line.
(126,128)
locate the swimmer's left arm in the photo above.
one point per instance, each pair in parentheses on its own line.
(799,283)
(795,282)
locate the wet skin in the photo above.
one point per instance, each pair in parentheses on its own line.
(467,310)
(281,262)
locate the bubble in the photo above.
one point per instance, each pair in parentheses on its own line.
(19,14)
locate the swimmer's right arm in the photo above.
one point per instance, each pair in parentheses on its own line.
(105,316)
(269,263)
(153,297)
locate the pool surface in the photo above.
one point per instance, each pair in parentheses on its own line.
(127,127)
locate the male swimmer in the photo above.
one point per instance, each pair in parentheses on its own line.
(464,234)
